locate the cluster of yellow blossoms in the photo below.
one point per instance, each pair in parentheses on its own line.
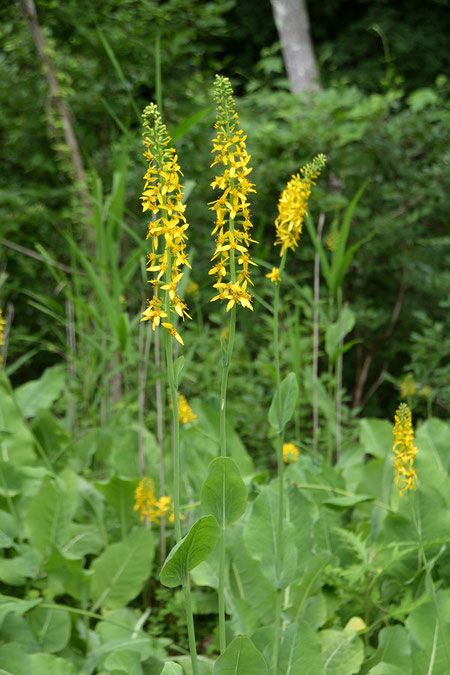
(404,450)
(290,453)
(293,204)
(408,386)
(2,338)
(232,225)
(147,504)
(185,412)
(162,196)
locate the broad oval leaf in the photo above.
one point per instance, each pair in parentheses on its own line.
(172,668)
(301,651)
(51,628)
(283,403)
(241,658)
(262,540)
(120,572)
(343,652)
(224,494)
(193,549)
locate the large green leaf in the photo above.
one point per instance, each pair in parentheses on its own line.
(193,549)
(48,517)
(123,660)
(429,634)
(14,660)
(119,496)
(283,403)
(41,394)
(120,572)
(172,668)
(224,494)
(17,442)
(10,604)
(394,649)
(262,540)
(48,664)
(343,652)
(241,658)
(301,651)
(51,628)
(376,436)
(310,582)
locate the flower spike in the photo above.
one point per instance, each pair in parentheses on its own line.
(232,227)
(163,198)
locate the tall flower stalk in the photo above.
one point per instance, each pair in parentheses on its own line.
(231,259)
(162,196)
(292,208)
(406,479)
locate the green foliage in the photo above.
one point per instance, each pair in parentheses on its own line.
(193,549)
(240,657)
(224,494)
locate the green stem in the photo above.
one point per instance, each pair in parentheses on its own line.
(226,360)
(175,419)
(330,383)
(429,576)
(280,462)
(221,592)
(190,626)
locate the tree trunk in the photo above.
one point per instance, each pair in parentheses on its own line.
(291,19)
(29,11)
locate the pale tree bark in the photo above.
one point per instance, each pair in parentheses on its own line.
(292,22)
(29,11)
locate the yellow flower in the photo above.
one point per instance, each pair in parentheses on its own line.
(408,386)
(426,391)
(274,275)
(162,196)
(232,226)
(192,288)
(332,240)
(2,336)
(147,504)
(293,204)
(290,453)
(404,450)
(185,413)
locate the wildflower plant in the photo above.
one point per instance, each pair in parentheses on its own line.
(292,209)
(405,450)
(162,196)
(231,267)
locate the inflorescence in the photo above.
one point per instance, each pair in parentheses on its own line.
(404,450)
(163,198)
(293,204)
(232,226)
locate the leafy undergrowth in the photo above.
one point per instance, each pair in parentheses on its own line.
(365,574)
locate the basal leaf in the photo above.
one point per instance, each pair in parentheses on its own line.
(301,651)
(241,658)
(262,540)
(120,572)
(51,628)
